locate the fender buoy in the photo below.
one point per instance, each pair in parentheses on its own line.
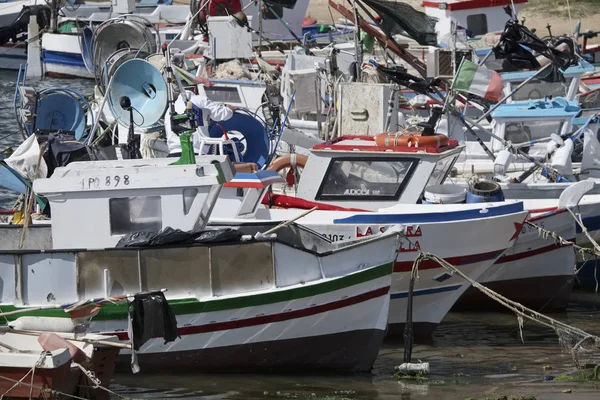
(287,161)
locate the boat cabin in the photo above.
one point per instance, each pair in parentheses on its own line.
(534,120)
(477,16)
(353,171)
(94,204)
(536,89)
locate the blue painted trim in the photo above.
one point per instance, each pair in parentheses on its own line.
(570,72)
(556,108)
(591,223)
(579,121)
(57,57)
(14,56)
(423,292)
(389,219)
(258,175)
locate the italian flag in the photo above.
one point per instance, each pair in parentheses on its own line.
(478,80)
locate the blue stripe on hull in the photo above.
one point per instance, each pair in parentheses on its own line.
(423,292)
(398,218)
(591,223)
(57,57)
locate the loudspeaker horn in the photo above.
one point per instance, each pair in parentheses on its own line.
(146,89)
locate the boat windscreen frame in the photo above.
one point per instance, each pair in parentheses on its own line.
(414,161)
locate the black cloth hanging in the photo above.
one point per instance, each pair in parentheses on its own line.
(152,317)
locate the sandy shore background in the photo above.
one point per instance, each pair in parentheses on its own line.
(537,14)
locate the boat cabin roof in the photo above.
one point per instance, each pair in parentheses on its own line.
(353,171)
(581,68)
(368,144)
(457,5)
(557,108)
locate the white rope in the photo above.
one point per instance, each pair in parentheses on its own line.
(520,310)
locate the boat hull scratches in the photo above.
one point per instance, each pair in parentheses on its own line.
(353,351)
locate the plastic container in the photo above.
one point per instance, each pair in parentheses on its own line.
(561,161)
(502,162)
(484,192)
(445,194)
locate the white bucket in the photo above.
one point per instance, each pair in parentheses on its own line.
(445,194)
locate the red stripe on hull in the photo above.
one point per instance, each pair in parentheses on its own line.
(406,266)
(531,253)
(268,319)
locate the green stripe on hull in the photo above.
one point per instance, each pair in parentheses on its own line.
(193,306)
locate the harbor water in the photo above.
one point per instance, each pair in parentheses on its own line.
(472,355)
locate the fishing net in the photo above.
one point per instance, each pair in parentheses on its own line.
(401,18)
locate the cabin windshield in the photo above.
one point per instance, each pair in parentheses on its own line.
(441,171)
(521,132)
(536,90)
(366,179)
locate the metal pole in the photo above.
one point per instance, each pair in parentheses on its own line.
(357,43)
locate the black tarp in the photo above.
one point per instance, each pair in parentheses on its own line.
(401,18)
(170,236)
(513,49)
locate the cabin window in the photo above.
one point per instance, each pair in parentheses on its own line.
(477,24)
(535,90)
(222,94)
(135,214)
(522,132)
(366,179)
(441,171)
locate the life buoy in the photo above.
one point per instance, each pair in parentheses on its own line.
(289,160)
(435,141)
(411,140)
(391,140)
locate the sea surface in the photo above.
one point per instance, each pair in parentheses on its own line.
(471,355)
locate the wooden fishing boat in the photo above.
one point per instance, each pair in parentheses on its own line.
(355,172)
(241,303)
(45,365)
(513,273)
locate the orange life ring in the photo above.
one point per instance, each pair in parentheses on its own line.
(289,160)
(391,140)
(411,140)
(435,141)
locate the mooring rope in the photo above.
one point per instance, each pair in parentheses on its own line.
(520,310)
